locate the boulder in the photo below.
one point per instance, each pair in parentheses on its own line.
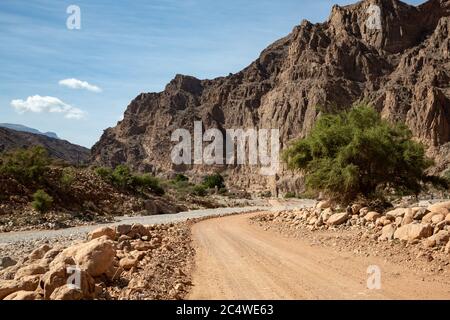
(447,247)
(6,262)
(399,212)
(137,231)
(326,214)
(372,216)
(323,204)
(58,277)
(387,233)
(437,218)
(24,295)
(364,211)
(413,232)
(39,252)
(338,219)
(31,270)
(67,293)
(419,212)
(128,262)
(123,229)
(95,256)
(356,208)
(441,207)
(441,238)
(8,287)
(408,218)
(51,254)
(384,221)
(108,232)
(428,218)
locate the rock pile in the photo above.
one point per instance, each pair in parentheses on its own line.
(429,226)
(125,262)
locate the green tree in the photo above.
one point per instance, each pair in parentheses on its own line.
(25,165)
(215,180)
(356,153)
(42,202)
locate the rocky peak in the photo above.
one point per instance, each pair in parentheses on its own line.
(401,26)
(402,70)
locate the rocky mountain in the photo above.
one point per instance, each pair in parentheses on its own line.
(59,149)
(19,127)
(401,68)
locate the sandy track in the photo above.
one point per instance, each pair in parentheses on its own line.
(237,260)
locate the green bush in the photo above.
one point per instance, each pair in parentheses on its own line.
(215,180)
(447,176)
(355,153)
(104,173)
(67,177)
(123,178)
(147,181)
(42,202)
(25,165)
(200,190)
(290,195)
(180,178)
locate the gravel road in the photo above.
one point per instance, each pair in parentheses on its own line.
(79,232)
(238,260)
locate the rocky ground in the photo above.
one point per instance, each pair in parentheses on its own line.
(123,262)
(414,237)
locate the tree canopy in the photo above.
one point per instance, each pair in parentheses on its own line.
(356,153)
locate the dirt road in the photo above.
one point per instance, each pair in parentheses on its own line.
(237,260)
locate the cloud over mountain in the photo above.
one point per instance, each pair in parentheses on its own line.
(39,104)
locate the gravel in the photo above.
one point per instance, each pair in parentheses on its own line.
(16,244)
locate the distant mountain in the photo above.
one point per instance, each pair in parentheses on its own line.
(58,149)
(19,127)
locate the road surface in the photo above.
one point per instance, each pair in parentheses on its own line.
(237,260)
(36,235)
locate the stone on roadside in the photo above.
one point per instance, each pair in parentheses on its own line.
(372,216)
(24,295)
(387,233)
(398,212)
(325,204)
(39,252)
(413,232)
(440,207)
(338,219)
(95,256)
(6,262)
(356,208)
(28,283)
(109,232)
(66,292)
(408,218)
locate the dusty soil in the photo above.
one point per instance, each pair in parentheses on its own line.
(237,259)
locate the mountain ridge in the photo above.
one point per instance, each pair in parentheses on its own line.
(60,149)
(403,70)
(20,127)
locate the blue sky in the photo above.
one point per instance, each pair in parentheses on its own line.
(125,48)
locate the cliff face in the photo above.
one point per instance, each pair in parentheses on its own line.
(402,69)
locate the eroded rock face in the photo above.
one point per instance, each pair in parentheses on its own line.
(402,70)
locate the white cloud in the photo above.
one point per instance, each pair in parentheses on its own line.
(78,84)
(40,104)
